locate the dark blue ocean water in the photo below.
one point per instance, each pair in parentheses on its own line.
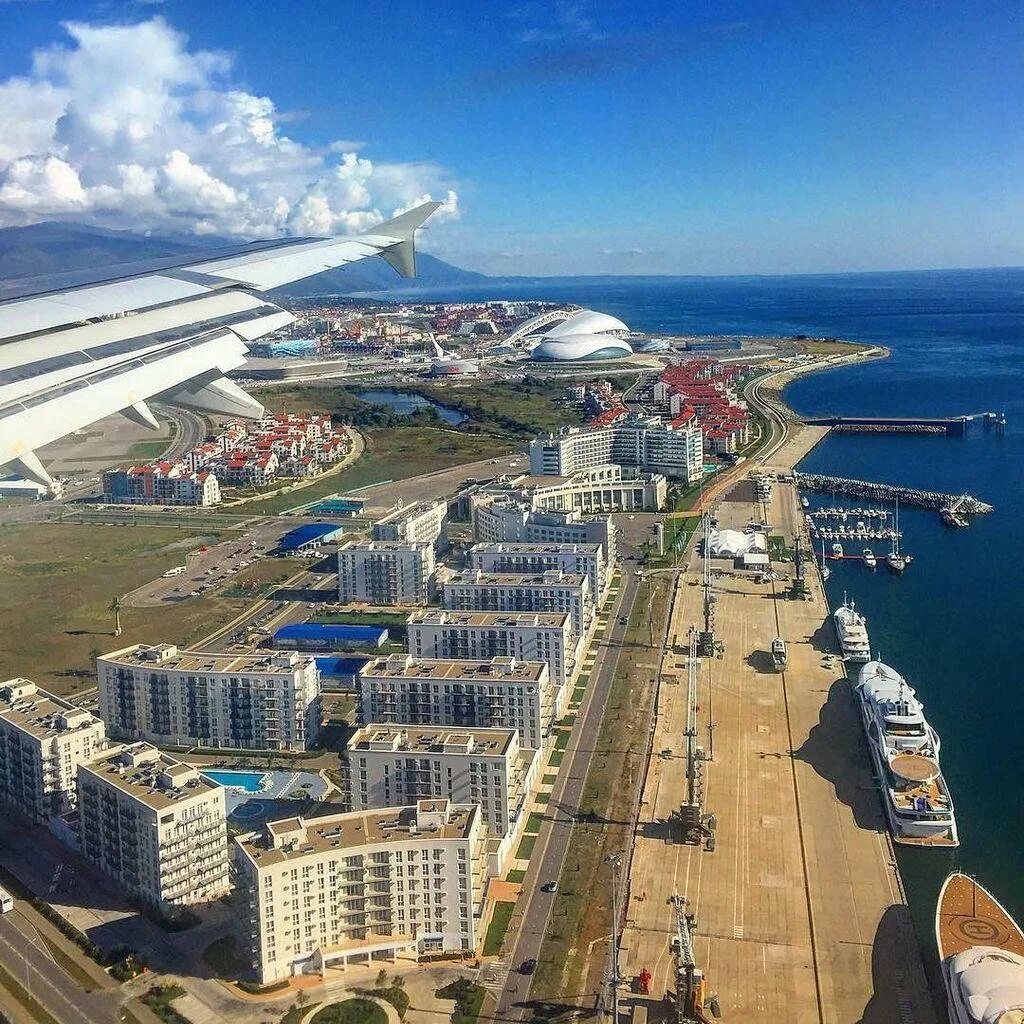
(953,624)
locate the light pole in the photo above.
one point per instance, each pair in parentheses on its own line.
(615,860)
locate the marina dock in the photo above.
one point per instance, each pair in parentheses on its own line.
(960,504)
(953,426)
(799,909)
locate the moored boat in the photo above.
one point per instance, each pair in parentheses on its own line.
(852,630)
(869,558)
(904,751)
(981,949)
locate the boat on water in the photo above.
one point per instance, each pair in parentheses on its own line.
(837,550)
(894,560)
(852,630)
(779,655)
(805,503)
(825,570)
(904,750)
(981,949)
(869,558)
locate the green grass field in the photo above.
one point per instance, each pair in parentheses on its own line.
(496,929)
(392,453)
(60,580)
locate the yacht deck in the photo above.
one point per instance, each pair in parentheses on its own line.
(968,916)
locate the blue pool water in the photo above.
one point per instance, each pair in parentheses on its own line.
(251,782)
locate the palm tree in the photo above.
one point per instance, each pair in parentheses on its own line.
(115,607)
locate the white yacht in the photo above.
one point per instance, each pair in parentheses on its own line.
(982,953)
(837,550)
(853,632)
(869,558)
(904,750)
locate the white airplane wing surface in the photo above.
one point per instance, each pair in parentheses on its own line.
(77,347)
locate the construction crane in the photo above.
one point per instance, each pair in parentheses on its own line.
(695,825)
(798,588)
(690,988)
(706,642)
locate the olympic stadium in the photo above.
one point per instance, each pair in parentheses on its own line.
(583,335)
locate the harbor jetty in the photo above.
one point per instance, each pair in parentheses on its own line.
(962,505)
(953,426)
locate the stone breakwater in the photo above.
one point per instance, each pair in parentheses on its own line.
(888,493)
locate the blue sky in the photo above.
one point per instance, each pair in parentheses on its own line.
(568,137)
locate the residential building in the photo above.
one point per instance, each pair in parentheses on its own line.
(606,488)
(43,739)
(587,559)
(645,443)
(522,636)
(155,826)
(511,517)
(386,572)
(395,765)
(418,522)
(495,693)
(549,591)
(360,886)
(193,699)
(160,483)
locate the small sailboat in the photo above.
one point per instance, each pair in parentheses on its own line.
(837,550)
(869,558)
(894,560)
(825,570)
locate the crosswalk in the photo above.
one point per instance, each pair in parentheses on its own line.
(493,975)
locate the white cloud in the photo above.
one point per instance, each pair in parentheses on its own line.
(126,126)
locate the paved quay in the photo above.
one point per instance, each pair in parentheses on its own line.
(800,914)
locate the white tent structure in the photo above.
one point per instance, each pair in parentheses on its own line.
(735,543)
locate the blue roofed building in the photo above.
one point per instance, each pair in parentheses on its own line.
(339,673)
(308,537)
(324,636)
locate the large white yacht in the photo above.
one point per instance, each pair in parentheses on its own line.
(904,750)
(852,630)
(982,953)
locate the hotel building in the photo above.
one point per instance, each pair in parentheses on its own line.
(362,886)
(587,559)
(499,693)
(155,826)
(417,523)
(193,699)
(43,739)
(383,572)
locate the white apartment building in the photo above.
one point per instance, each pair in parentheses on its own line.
(500,693)
(384,572)
(548,591)
(644,443)
(155,826)
(389,765)
(480,636)
(43,739)
(607,488)
(587,559)
(193,699)
(418,522)
(498,518)
(362,886)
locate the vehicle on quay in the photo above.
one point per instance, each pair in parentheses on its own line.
(869,558)
(981,951)
(779,654)
(176,571)
(904,751)
(852,629)
(6,901)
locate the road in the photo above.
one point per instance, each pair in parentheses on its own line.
(26,958)
(553,840)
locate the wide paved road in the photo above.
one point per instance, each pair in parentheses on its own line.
(553,839)
(25,957)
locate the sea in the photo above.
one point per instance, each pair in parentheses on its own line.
(953,625)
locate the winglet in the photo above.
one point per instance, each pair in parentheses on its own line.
(402,254)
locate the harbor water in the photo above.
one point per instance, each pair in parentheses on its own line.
(952,623)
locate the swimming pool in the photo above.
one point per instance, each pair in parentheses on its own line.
(251,782)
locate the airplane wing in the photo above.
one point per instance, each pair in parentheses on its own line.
(75,348)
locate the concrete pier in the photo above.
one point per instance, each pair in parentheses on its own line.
(800,911)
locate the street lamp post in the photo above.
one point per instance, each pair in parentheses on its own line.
(615,860)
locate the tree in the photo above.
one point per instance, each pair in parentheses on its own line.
(115,607)
(382,978)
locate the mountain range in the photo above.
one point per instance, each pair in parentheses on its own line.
(53,247)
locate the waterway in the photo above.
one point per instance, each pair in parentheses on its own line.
(406,404)
(952,624)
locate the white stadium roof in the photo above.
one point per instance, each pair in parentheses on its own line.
(75,348)
(583,335)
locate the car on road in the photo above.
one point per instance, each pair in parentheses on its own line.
(528,966)
(549,887)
